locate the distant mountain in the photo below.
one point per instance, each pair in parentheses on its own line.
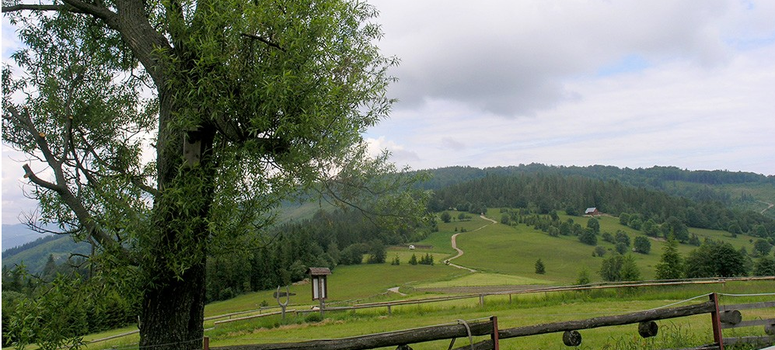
(35,254)
(16,235)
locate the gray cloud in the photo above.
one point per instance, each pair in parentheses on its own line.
(512,58)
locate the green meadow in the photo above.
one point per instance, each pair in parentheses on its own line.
(504,257)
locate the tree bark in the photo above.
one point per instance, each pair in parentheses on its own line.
(172,313)
(173,303)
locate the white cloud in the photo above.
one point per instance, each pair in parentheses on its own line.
(674,113)
(512,58)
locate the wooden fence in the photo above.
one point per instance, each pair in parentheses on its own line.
(722,317)
(389,305)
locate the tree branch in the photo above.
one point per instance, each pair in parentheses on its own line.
(28,173)
(35,7)
(265,41)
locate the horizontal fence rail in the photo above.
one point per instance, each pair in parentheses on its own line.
(404,337)
(645,320)
(389,305)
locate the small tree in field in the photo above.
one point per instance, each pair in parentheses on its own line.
(761,247)
(619,267)
(594,224)
(642,245)
(671,264)
(765,266)
(583,277)
(588,237)
(539,267)
(445,217)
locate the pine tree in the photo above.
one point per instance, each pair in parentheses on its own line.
(540,268)
(671,265)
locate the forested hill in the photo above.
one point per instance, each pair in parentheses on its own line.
(740,190)
(543,192)
(655,177)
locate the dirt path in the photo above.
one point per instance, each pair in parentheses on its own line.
(460,252)
(395,290)
(769,206)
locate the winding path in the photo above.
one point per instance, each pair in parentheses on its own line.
(460,252)
(769,206)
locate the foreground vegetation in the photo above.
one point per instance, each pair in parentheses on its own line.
(522,310)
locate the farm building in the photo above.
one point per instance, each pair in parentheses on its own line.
(592,211)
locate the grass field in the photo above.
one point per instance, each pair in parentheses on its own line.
(504,256)
(521,310)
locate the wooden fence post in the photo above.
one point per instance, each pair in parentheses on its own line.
(206,343)
(718,337)
(494,335)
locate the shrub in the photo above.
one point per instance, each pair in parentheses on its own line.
(540,268)
(642,245)
(588,237)
(600,251)
(413,260)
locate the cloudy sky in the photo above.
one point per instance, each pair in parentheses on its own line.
(624,83)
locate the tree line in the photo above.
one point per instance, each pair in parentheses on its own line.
(542,193)
(698,185)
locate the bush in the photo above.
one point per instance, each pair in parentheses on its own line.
(313,317)
(622,237)
(377,253)
(764,267)
(619,268)
(540,268)
(352,255)
(427,259)
(588,237)
(583,277)
(396,261)
(642,245)
(624,218)
(621,248)
(600,251)
(716,259)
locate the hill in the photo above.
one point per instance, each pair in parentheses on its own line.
(35,254)
(16,235)
(541,193)
(735,190)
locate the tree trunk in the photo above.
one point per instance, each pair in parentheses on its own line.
(173,313)
(176,249)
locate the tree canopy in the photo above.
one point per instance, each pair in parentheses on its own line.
(164,131)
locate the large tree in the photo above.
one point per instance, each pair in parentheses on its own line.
(241,102)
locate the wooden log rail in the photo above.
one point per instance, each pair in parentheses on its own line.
(371,341)
(483,328)
(481,296)
(603,321)
(731,317)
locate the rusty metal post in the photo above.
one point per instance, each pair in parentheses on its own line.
(718,337)
(494,335)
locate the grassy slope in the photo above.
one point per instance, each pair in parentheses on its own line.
(509,250)
(521,311)
(35,258)
(507,256)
